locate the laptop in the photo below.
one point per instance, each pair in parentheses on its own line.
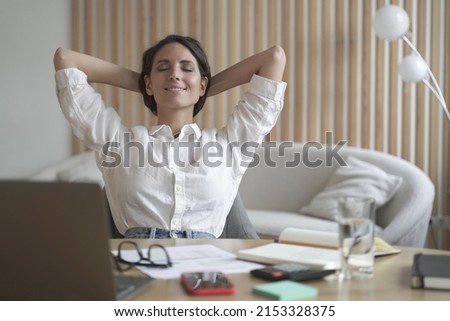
(54,244)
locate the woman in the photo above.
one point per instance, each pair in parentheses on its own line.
(173,179)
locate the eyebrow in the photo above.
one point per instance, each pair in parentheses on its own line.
(168,61)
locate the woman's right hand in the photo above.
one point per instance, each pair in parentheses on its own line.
(97,70)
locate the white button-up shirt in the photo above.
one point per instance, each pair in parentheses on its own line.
(154,180)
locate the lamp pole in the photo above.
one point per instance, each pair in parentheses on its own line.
(391,23)
(434,87)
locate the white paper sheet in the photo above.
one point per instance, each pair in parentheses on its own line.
(196,258)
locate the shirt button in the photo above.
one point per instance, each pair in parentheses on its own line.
(178,188)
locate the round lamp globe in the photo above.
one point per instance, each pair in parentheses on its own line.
(413,69)
(391,22)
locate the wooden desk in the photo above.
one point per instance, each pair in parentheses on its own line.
(391,279)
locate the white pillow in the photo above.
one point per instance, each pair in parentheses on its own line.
(85,171)
(358,178)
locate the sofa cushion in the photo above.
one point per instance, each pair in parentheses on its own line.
(270,223)
(83,170)
(358,178)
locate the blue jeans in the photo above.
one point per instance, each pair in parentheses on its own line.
(159,233)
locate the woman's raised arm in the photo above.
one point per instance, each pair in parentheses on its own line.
(269,64)
(97,70)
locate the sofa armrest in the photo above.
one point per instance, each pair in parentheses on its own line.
(406,217)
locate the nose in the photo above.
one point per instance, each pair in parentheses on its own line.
(175,74)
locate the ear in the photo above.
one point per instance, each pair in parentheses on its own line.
(148,86)
(203,85)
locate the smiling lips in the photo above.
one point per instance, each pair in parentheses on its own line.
(175,89)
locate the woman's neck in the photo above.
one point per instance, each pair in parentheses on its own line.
(175,120)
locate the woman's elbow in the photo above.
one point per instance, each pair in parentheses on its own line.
(275,63)
(61,60)
(278,55)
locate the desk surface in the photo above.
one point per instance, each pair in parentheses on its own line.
(391,279)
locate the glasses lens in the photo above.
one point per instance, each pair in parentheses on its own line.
(121,265)
(128,251)
(158,255)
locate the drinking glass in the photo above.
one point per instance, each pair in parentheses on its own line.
(356,235)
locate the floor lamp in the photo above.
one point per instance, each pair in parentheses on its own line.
(391,23)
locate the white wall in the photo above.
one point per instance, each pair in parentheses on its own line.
(33,132)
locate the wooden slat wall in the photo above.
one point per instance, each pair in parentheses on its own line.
(341,77)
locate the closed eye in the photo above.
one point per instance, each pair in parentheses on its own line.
(185,65)
(163,67)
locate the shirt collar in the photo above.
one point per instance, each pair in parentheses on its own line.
(165,131)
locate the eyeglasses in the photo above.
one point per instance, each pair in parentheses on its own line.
(130,255)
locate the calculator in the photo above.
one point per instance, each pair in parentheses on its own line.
(290,271)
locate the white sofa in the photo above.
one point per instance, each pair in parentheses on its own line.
(273,195)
